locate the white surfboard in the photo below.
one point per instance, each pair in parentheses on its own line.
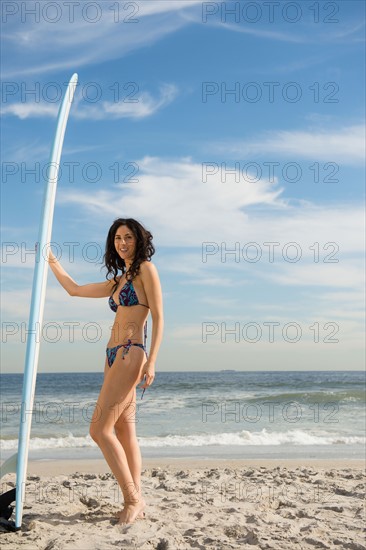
(37,305)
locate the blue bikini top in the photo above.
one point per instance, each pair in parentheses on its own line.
(127,297)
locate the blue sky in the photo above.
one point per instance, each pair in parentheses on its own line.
(297,114)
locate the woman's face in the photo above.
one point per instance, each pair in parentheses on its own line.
(125,243)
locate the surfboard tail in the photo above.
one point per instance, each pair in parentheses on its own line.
(10,465)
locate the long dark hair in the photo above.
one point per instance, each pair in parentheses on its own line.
(143,251)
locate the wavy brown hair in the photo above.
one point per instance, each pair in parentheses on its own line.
(143,251)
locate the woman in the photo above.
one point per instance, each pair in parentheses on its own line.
(128,249)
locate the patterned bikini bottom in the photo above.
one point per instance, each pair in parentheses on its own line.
(112,352)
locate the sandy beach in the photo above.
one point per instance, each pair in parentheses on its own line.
(215,504)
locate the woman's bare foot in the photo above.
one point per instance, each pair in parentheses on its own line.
(131,511)
(141,515)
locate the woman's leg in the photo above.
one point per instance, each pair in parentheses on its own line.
(125,428)
(114,398)
(133,457)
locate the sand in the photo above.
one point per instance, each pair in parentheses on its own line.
(213,504)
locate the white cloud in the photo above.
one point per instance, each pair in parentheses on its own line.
(27,110)
(181,211)
(171,196)
(145,105)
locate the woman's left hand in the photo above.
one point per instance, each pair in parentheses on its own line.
(148,372)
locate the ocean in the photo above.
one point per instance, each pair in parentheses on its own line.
(226,414)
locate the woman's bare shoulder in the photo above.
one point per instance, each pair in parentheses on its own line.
(148,267)
(148,270)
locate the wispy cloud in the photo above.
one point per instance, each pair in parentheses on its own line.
(346,274)
(299,64)
(305,33)
(75,41)
(263,33)
(345,145)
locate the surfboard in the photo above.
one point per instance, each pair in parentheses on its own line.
(37,307)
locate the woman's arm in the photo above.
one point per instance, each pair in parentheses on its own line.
(152,287)
(92,290)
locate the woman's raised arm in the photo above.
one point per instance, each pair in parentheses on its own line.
(91,290)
